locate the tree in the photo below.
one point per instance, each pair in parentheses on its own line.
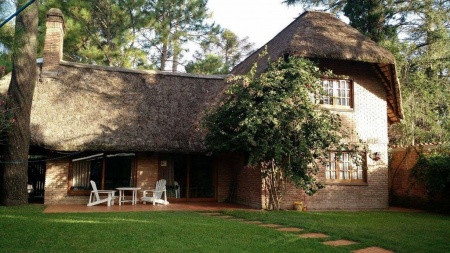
(220,53)
(20,93)
(6,39)
(372,18)
(274,119)
(377,19)
(425,76)
(100,31)
(171,25)
(211,64)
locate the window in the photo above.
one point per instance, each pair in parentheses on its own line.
(338,93)
(343,168)
(109,171)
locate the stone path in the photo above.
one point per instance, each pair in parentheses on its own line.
(305,235)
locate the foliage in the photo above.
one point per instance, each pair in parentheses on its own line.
(211,64)
(433,170)
(371,17)
(6,38)
(170,25)
(220,53)
(424,76)
(273,117)
(131,33)
(377,19)
(98,32)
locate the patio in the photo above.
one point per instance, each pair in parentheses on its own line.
(178,206)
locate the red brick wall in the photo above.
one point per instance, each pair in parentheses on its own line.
(369,120)
(56,184)
(54,37)
(405,191)
(57,172)
(249,187)
(227,166)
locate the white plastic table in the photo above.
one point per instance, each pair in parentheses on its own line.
(133,199)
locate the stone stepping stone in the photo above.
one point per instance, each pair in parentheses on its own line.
(339,243)
(290,229)
(224,216)
(372,250)
(270,225)
(313,235)
(253,222)
(237,219)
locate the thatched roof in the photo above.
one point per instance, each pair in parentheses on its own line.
(84,107)
(322,35)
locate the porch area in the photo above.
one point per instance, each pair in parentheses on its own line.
(183,206)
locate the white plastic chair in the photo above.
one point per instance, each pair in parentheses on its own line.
(95,199)
(157,193)
(177,189)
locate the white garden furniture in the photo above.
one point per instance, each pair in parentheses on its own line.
(107,196)
(156,194)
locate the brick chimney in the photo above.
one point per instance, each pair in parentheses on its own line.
(54,38)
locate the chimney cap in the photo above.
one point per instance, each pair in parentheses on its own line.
(55,12)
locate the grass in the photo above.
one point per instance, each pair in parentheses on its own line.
(396,231)
(27,229)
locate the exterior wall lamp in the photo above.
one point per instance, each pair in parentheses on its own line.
(375,156)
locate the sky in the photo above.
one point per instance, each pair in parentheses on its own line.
(260,20)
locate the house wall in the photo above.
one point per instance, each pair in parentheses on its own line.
(56,183)
(249,187)
(57,174)
(369,120)
(227,166)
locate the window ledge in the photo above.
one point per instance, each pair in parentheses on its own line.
(338,108)
(342,183)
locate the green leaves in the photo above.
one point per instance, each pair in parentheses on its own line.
(433,170)
(273,119)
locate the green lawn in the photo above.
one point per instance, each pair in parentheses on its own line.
(27,229)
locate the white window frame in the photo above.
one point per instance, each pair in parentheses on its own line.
(343,169)
(340,93)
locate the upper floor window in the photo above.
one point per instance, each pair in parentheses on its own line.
(345,167)
(338,93)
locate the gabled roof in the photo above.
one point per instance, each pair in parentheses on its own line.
(322,35)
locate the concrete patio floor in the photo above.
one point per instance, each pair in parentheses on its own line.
(179,206)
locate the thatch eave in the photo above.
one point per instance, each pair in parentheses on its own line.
(79,107)
(139,71)
(319,35)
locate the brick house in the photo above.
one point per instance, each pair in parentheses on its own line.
(123,127)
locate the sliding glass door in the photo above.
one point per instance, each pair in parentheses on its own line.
(189,177)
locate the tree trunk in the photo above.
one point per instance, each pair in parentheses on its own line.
(164,53)
(20,96)
(176,53)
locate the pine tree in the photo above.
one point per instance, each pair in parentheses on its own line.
(20,93)
(99,31)
(171,26)
(220,54)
